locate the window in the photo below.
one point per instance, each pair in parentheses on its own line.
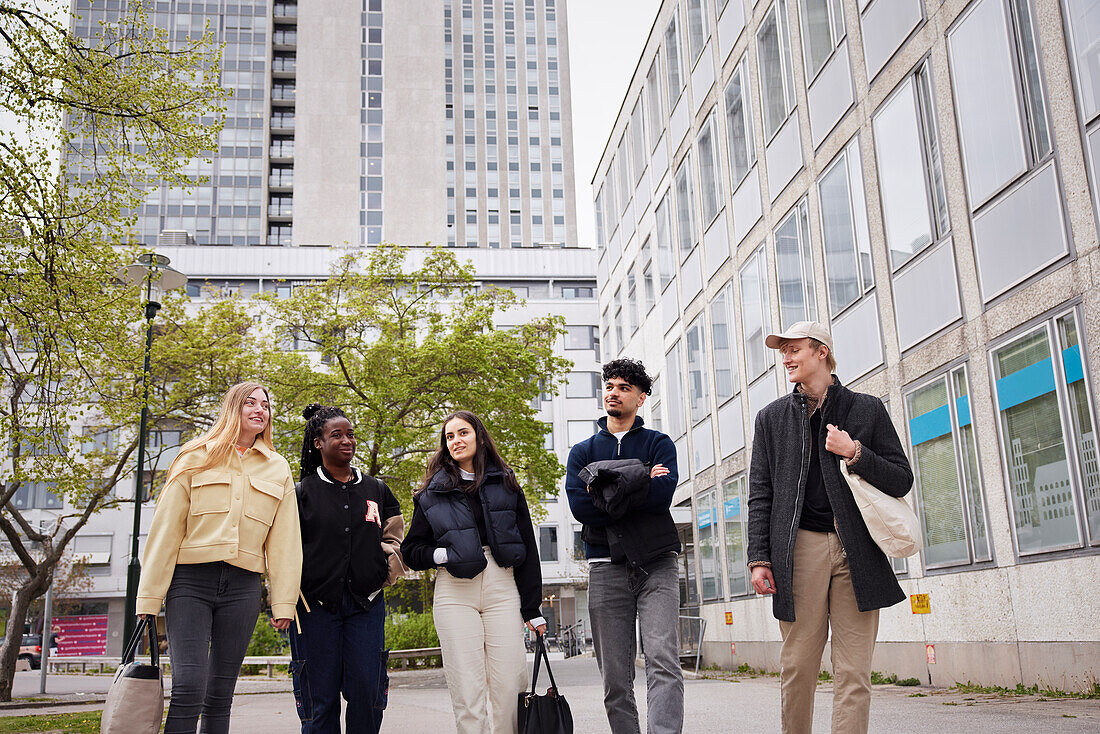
(742,150)
(697,28)
(773,51)
(601,236)
(93,550)
(578,431)
(735,517)
(794,268)
(709,191)
(822,31)
(632,298)
(37,496)
(656,119)
(99,440)
(1083,17)
(914,204)
(848,271)
(583,385)
(1041,393)
(755,320)
(581,337)
(548,543)
(578,546)
(1001,113)
(945,461)
(698,392)
(706,524)
(675,399)
(722,345)
(569,291)
(649,275)
(665,266)
(622,163)
(637,140)
(674,77)
(618,301)
(685,209)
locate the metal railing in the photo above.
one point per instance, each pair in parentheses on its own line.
(572,640)
(692,630)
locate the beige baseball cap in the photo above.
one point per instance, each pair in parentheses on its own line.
(802,330)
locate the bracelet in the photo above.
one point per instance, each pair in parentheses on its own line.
(760,564)
(856,455)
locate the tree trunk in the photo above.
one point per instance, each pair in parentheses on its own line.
(33,588)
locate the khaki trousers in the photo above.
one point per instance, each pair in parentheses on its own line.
(484,660)
(824,598)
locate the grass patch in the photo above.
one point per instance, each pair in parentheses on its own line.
(1092,693)
(85,722)
(824,676)
(878,679)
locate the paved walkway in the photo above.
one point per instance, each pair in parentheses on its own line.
(419,704)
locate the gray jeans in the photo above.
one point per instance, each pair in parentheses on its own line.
(210,611)
(617,595)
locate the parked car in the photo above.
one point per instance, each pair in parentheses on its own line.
(31,650)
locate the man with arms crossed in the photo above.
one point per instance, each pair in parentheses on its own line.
(807,543)
(632,559)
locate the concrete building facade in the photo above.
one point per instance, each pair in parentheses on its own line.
(359,122)
(922,177)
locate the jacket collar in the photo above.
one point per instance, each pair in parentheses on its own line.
(638,423)
(259,445)
(357,476)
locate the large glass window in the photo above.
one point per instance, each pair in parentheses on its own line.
(742,150)
(1083,18)
(822,31)
(698,392)
(654,108)
(706,523)
(675,387)
(637,140)
(773,53)
(649,275)
(1048,437)
(848,270)
(697,28)
(583,385)
(581,337)
(1001,112)
(601,235)
(945,461)
(632,298)
(910,174)
(709,189)
(794,268)
(548,543)
(674,76)
(665,265)
(685,209)
(722,344)
(622,162)
(754,313)
(735,518)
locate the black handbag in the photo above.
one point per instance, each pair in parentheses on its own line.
(547,714)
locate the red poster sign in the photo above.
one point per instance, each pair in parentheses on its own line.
(81,635)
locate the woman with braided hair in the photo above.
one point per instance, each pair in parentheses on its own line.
(351,547)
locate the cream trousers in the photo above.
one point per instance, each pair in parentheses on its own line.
(481,633)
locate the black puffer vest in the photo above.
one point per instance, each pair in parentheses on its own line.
(451,515)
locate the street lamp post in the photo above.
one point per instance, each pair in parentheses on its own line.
(153,272)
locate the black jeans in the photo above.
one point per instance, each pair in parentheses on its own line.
(210,610)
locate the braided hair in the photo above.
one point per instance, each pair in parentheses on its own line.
(316,416)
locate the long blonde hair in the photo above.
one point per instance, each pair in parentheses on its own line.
(221,439)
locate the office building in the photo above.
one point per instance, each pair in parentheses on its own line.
(922,177)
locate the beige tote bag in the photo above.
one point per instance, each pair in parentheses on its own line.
(135,702)
(890,521)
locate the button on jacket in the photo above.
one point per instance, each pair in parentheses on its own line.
(351,538)
(243,512)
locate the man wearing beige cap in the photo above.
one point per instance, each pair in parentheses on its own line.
(807,544)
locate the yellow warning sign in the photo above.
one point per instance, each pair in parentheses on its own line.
(921,603)
(729,617)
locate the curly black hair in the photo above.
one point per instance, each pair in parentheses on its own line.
(630,370)
(316,416)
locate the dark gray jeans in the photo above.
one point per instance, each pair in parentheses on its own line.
(210,610)
(617,595)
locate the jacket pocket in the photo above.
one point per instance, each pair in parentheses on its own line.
(210,491)
(263,501)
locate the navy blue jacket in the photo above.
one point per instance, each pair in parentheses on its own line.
(647,531)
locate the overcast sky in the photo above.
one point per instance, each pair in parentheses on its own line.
(605,40)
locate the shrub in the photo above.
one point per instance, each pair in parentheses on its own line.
(410,631)
(266,640)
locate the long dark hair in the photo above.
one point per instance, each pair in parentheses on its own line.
(485,457)
(316,417)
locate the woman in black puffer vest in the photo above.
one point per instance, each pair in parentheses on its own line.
(470,519)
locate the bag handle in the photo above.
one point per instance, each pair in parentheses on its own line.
(540,653)
(143,626)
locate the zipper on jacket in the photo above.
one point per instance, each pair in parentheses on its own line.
(801,473)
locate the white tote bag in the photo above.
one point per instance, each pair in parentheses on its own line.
(135,701)
(890,521)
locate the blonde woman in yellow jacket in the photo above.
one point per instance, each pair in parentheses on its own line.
(227,513)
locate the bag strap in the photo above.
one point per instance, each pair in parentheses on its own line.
(541,652)
(143,626)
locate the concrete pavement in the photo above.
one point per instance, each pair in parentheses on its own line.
(419,704)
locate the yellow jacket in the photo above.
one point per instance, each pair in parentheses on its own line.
(243,512)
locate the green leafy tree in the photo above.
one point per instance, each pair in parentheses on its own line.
(399,346)
(88,126)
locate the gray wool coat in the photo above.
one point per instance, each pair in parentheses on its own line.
(777,490)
